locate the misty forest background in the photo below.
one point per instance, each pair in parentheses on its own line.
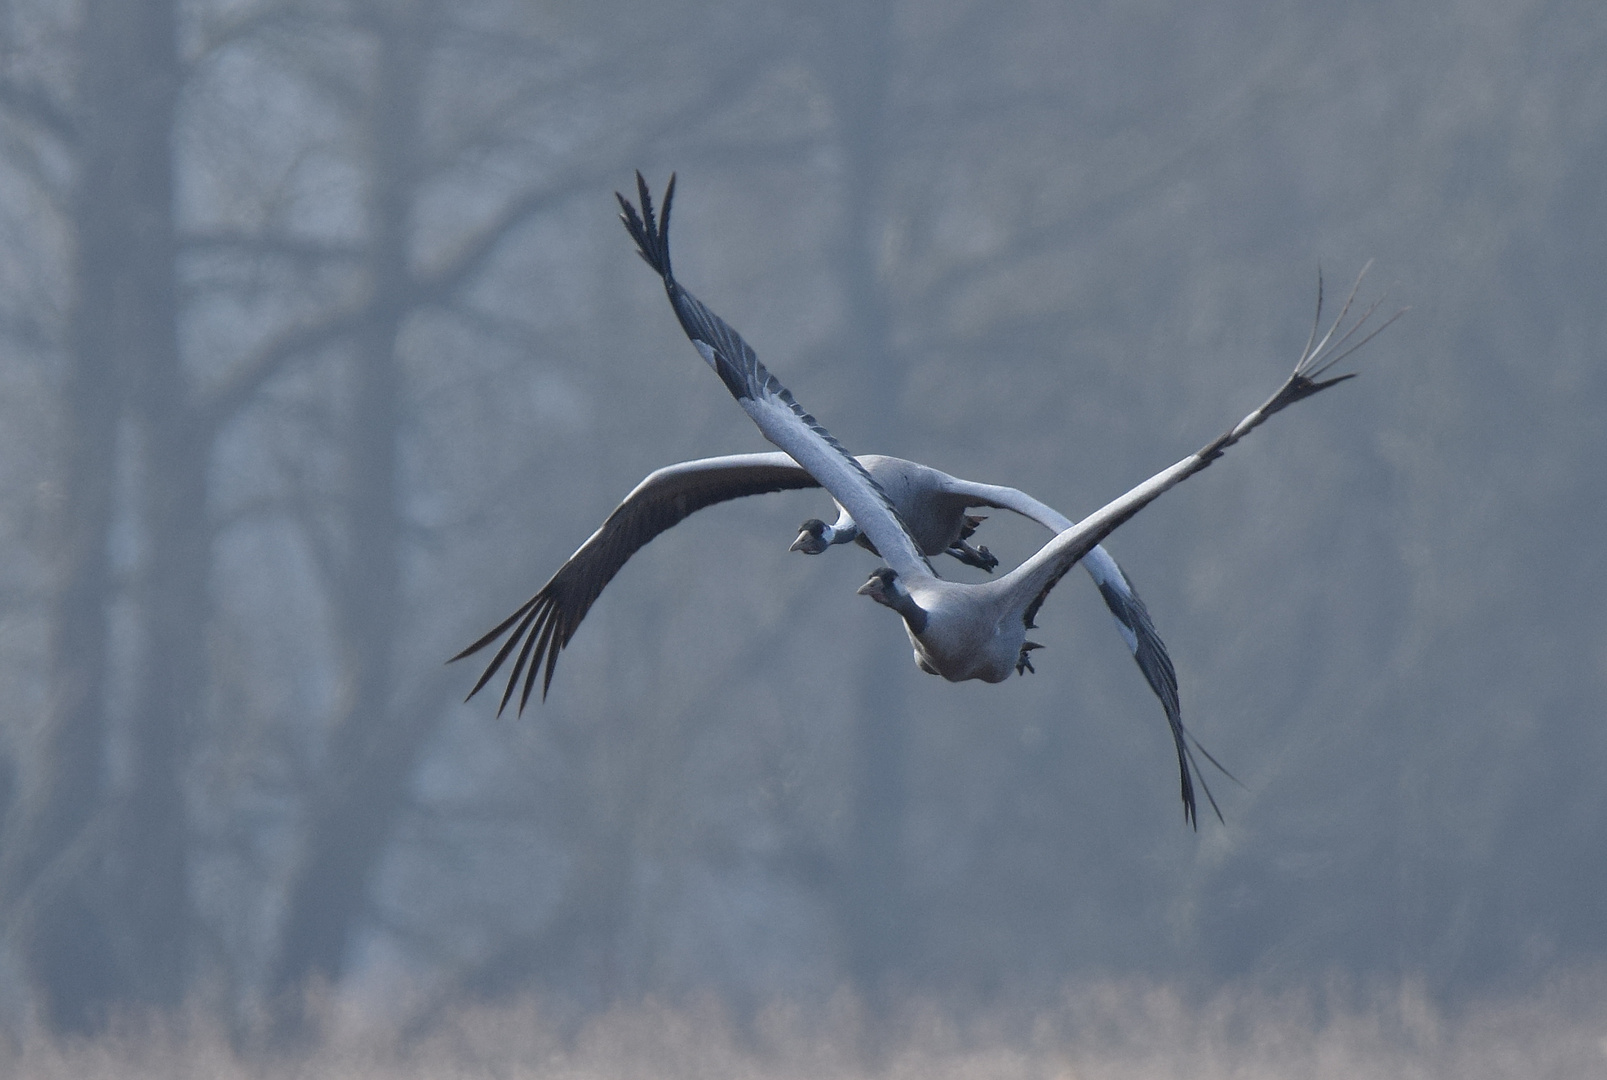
(322,347)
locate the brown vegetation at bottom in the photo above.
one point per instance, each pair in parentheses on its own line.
(1105,1030)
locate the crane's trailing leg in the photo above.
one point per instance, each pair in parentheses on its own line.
(981,557)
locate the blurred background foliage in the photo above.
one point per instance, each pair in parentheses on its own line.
(322,349)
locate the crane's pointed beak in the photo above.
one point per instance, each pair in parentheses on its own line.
(803,543)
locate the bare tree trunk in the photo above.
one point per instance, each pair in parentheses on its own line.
(151,855)
(372,752)
(153,851)
(90,934)
(876,918)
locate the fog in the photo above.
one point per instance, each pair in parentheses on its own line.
(322,348)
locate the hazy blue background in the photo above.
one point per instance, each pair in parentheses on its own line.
(323,348)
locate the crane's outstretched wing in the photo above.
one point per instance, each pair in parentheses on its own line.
(1052,561)
(1133,622)
(547,621)
(1319,356)
(1149,651)
(769,404)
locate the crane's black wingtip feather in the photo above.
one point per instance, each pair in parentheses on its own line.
(559,640)
(1199,775)
(547,635)
(650,230)
(496,632)
(528,630)
(645,197)
(1191,808)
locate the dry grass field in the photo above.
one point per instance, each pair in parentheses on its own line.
(1110,1031)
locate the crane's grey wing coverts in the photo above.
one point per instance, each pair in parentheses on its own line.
(1316,359)
(771,405)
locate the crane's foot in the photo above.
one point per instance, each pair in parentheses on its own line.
(981,557)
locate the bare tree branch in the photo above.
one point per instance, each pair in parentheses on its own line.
(37,108)
(243,242)
(219,407)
